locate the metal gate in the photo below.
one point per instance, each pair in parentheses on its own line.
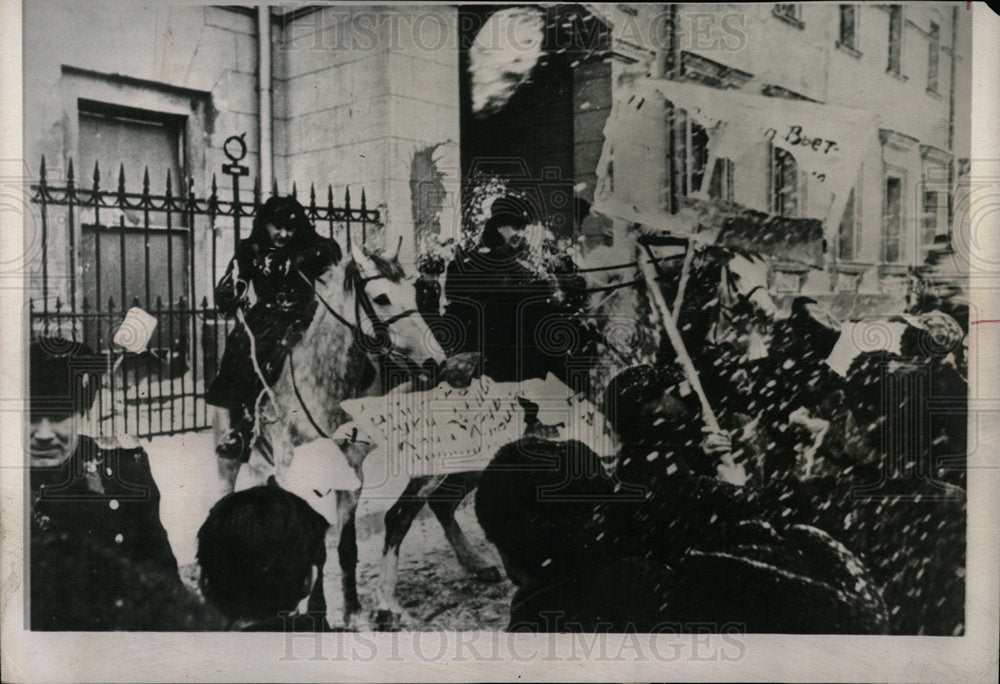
(162,253)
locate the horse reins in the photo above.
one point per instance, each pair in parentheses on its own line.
(378,342)
(298,395)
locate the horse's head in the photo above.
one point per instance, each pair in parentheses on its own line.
(746,281)
(385,310)
(746,309)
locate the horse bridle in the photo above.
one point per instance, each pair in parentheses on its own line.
(378,343)
(742,301)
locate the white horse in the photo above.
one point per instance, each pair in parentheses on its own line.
(367,308)
(738,280)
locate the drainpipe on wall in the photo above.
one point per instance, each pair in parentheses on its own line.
(264,93)
(665,65)
(952,180)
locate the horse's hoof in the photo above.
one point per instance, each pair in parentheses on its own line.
(358,623)
(387,621)
(489,574)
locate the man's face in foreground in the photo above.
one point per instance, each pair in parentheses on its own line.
(52,438)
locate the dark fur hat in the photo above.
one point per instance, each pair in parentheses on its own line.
(506,211)
(64,376)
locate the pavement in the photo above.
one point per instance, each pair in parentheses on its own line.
(435,590)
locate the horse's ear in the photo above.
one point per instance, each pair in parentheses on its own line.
(395,254)
(358,254)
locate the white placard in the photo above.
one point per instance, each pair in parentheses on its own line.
(448,429)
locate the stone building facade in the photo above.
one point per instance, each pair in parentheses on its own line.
(377,98)
(908,63)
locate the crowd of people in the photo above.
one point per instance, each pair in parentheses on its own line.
(100,558)
(95,504)
(656,542)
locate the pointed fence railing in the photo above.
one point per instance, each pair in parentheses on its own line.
(104,251)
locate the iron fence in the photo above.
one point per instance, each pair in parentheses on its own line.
(162,253)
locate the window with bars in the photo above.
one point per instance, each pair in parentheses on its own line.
(895,39)
(847,235)
(933,57)
(720,183)
(892,220)
(135,139)
(128,255)
(848,27)
(785,187)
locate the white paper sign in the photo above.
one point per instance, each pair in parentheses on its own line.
(827,141)
(448,429)
(319,469)
(136,330)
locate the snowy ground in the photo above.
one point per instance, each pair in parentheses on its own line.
(433,587)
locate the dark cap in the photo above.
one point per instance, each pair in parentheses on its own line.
(64,377)
(633,388)
(510,211)
(506,211)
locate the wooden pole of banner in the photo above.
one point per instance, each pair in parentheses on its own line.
(649,273)
(682,285)
(706,177)
(728,470)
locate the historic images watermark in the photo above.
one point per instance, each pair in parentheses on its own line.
(671,643)
(366,30)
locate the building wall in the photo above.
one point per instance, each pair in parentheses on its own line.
(591,108)
(804,59)
(195,62)
(368,98)
(363,98)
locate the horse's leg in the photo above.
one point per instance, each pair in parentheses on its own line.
(336,607)
(444,502)
(316,601)
(347,554)
(398,520)
(228,468)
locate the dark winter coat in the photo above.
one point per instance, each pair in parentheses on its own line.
(507,313)
(108,495)
(627,595)
(284,308)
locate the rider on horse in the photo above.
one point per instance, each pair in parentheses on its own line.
(281,259)
(507,311)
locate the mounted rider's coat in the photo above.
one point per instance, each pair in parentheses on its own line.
(510,315)
(285,303)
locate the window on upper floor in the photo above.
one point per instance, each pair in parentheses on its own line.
(790,12)
(933,57)
(933,209)
(848,27)
(720,183)
(896,39)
